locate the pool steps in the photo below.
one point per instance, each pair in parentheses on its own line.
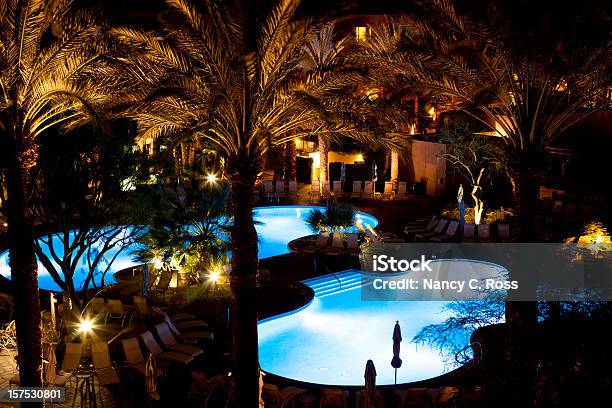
(337,283)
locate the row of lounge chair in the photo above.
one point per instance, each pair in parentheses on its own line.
(443,230)
(275,191)
(361,190)
(413,397)
(341,244)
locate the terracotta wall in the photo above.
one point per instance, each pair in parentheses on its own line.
(428,166)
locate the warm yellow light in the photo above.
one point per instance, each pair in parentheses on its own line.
(372,93)
(361,33)
(85,326)
(214,276)
(211,178)
(316,159)
(413,129)
(432,113)
(359,158)
(594,233)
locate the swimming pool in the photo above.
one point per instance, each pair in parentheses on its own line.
(329,341)
(275,226)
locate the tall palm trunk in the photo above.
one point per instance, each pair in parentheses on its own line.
(521,317)
(289,159)
(24,271)
(244,286)
(394,167)
(323,155)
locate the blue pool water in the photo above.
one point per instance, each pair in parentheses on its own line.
(276,226)
(330,340)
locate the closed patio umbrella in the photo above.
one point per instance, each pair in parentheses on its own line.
(370,385)
(151,377)
(145,280)
(396,362)
(374,171)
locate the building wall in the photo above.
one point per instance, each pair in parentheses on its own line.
(428,167)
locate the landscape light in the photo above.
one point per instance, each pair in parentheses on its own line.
(214,276)
(85,326)
(211,178)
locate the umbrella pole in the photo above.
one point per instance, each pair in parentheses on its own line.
(396,377)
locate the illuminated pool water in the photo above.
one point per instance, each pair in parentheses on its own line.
(330,340)
(276,226)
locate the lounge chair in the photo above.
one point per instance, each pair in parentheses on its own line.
(201,334)
(361,400)
(275,398)
(401,193)
(420,222)
(449,235)
(352,241)
(424,236)
(187,324)
(413,230)
(332,397)
(368,190)
(319,244)
(182,316)
(337,246)
(168,339)
(388,191)
(268,190)
(96,306)
(356,193)
(484,233)
(325,191)
(293,190)
(152,279)
(280,189)
(163,284)
(469,233)
(141,307)
(445,396)
(115,310)
(105,369)
(71,361)
(337,186)
(384,237)
(411,398)
(151,344)
(133,356)
(315,190)
(503,232)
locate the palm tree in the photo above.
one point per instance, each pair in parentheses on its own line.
(44,48)
(229,73)
(514,81)
(524,89)
(322,56)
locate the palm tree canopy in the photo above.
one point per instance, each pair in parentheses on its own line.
(214,74)
(46,54)
(522,86)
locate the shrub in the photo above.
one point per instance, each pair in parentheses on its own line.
(333,218)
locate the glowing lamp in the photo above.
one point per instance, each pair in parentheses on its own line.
(211,178)
(214,276)
(85,326)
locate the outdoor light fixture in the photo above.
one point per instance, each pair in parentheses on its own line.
(85,326)
(211,178)
(214,276)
